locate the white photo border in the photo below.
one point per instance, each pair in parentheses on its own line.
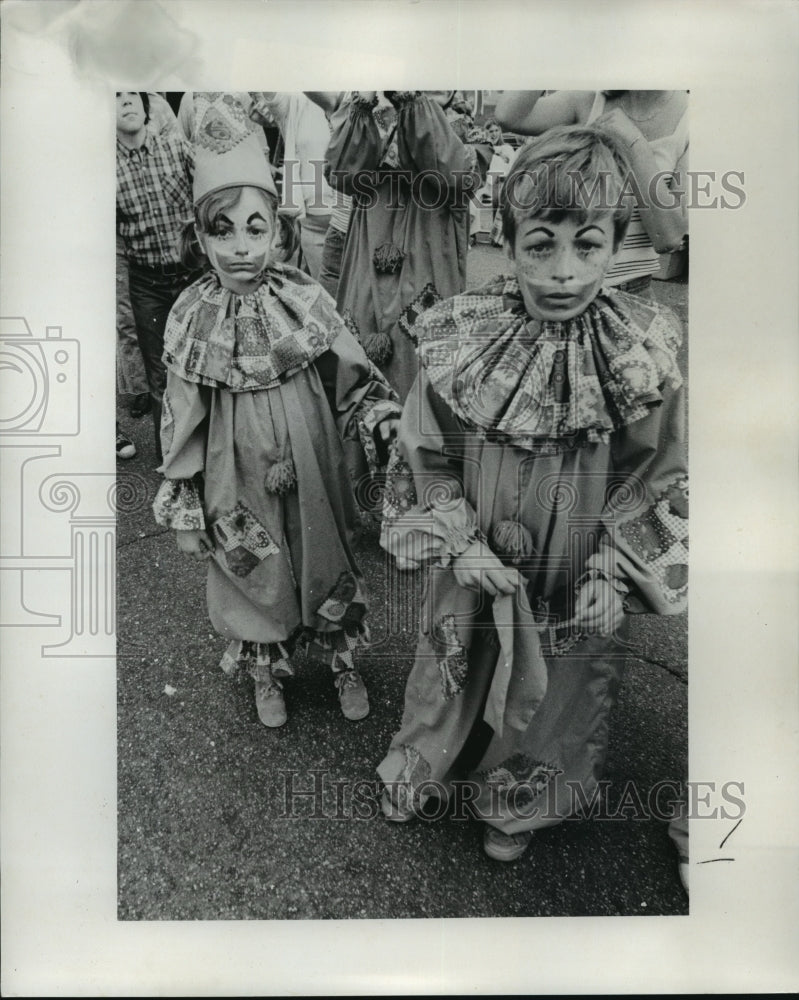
(60,932)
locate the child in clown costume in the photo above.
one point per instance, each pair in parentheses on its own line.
(540,473)
(271,408)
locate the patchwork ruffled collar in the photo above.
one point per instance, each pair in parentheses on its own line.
(546,386)
(218,338)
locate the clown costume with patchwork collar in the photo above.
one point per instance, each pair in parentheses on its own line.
(559,444)
(270,411)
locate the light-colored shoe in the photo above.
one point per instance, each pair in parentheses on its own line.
(125,447)
(505,846)
(352,695)
(270,704)
(394,813)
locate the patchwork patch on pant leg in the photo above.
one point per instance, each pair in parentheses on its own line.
(345,604)
(450,657)
(243,542)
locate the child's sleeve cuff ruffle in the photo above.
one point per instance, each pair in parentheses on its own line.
(458,532)
(620,586)
(177,505)
(436,533)
(363,105)
(402,98)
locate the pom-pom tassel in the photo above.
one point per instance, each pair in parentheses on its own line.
(379,348)
(388,259)
(281,477)
(512,540)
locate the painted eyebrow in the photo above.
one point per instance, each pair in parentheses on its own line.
(539,229)
(585,229)
(255,215)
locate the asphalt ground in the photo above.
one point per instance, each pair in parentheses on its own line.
(212,819)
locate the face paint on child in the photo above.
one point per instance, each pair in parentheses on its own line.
(560,265)
(240,246)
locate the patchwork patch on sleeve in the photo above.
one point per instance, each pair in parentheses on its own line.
(411,313)
(660,537)
(399,495)
(352,326)
(244,542)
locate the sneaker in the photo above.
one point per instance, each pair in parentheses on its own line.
(505,846)
(270,704)
(352,695)
(125,447)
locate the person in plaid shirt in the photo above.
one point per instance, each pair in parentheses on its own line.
(154,177)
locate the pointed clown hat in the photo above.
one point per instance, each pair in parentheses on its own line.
(227,148)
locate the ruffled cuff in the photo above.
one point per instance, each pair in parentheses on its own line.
(440,534)
(457,532)
(400,98)
(263,661)
(336,648)
(178,505)
(363,105)
(620,586)
(603,565)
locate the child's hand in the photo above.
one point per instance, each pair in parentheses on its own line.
(599,607)
(196,543)
(388,428)
(477,567)
(618,123)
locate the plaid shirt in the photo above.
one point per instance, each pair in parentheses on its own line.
(154,197)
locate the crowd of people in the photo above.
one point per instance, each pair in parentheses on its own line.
(292,310)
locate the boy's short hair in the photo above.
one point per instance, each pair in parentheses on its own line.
(145,100)
(569,168)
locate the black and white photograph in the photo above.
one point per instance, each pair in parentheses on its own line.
(414,571)
(376,625)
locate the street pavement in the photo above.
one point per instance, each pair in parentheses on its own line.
(212,819)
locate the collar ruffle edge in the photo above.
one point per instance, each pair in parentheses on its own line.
(545,386)
(218,338)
